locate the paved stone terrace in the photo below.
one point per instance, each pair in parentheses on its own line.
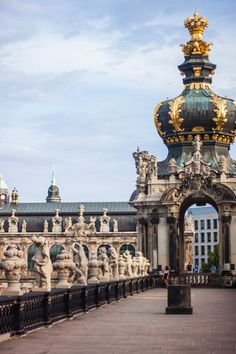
(138,325)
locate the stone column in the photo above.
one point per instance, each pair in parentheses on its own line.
(163,242)
(233,240)
(153,254)
(226,220)
(173,243)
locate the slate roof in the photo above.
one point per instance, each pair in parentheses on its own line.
(49,208)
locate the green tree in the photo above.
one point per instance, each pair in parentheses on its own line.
(213,257)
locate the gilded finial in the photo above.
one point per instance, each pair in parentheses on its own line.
(196,25)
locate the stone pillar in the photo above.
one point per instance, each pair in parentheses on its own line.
(226,220)
(153,254)
(233,240)
(173,243)
(163,242)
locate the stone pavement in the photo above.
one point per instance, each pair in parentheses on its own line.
(138,325)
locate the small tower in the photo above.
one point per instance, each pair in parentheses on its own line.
(15,196)
(53,190)
(4,196)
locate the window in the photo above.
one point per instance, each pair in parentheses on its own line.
(215,223)
(202,224)
(196,250)
(208,249)
(208,237)
(215,237)
(203,250)
(54,251)
(196,237)
(208,224)
(196,224)
(103,246)
(31,252)
(202,237)
(129,248)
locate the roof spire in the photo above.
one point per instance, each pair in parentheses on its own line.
(53,191)
(53,176)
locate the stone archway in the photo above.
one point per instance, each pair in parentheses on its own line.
(198,191)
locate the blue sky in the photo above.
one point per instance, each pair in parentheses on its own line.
(79,81)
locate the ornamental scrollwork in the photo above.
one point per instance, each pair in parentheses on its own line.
(174,112)
(220,111)
(156,118)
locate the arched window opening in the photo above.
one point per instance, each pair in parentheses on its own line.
(31,252)
(128,247)
(54,251)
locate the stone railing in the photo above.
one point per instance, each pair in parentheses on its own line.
(20,314)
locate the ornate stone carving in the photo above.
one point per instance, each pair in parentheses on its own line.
(223,164)
(172,166)
(128,264)
(121,266)
(93,268)
(23,226)
(57,222)
(45,226)
(2,222)
(13,266)
(42,264)
(104,221)
(65,268)
(146,167)
(92,224)
(188,224)
(103,265)
(81,264)
(13,223)
(80,228)
(113,264)
(115,225)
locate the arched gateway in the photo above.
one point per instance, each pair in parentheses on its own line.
(198,127)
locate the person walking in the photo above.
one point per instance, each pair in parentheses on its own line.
(166,276)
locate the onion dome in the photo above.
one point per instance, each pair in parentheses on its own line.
(53,190)
(197,110)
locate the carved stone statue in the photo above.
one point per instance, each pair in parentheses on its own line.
(92,225)
(152,166)
(81,264)
(45,226)
(13,265)
(2,222)
(68,224)
(104,221)
(57,222)
(23,227)
(172,166)
(121,267)
(115,225)
(147,265)
(93,268)
(65,268)
(113,263)
(188,224)
(42,264)
(103,265)
(223,164)
(13,223)
(128,264)
(140,261)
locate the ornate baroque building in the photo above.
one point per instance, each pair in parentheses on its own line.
(197,127)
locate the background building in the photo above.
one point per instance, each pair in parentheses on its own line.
(206,233)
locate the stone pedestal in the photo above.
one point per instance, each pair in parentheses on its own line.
(179,300)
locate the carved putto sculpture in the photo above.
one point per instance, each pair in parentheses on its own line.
(103,265)
(128,264)
(57,222)
(42,264)
(92,225)
(113,263)
(115,225)
(81,264)
(13,222)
